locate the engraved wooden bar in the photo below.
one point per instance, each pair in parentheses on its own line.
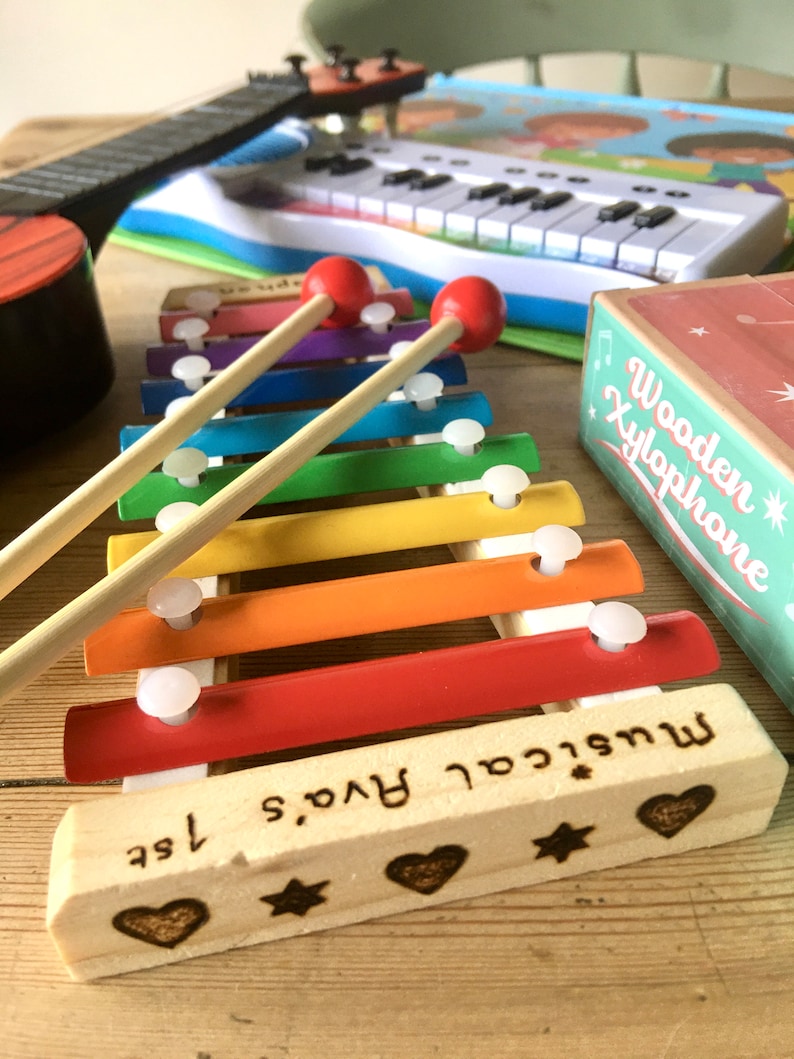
(300,846)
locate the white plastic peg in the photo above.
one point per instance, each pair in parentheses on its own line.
(169,515)
(378,316)
(397,349)
(615,625)
(191,370)
(170,694)
(174,407)
(424,389)
(464,435)
(186,465)
(191,331)
(203,302)
(177,600)
(555,545)
(504,482)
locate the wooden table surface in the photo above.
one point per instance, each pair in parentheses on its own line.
(689,955)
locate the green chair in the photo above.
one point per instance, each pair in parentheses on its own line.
(448,35)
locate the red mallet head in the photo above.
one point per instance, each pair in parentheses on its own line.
(480,307)
(343,280)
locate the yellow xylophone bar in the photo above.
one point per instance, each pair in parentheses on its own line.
(306,613)
(286,540)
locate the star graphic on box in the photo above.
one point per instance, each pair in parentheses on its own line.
(774,510)
(296,898)
(562,842)
(785,395)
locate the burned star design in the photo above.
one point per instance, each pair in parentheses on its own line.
(562,842)
(296,898)
(581,772)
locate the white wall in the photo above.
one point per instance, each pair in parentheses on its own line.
(127,56)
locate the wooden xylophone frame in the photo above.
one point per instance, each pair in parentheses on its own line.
(166,928)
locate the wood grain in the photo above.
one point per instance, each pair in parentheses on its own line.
(686,956)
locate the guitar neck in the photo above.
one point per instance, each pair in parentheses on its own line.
(93,186)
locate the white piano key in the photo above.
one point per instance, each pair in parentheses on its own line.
(493,230)
(529,234)
(600,247)
(347,191)
(402,208)
(638,253)
(461,222)
(431,217)
(683,249)
(565,238)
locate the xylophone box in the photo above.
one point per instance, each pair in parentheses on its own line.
(688,409)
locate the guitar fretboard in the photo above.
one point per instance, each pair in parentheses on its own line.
(116,169)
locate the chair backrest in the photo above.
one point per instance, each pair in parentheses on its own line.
(448,35)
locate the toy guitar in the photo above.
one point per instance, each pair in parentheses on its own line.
(57,360)
(217,862)
(92,186)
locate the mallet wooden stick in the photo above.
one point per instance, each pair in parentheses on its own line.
(348,291)
(468,314)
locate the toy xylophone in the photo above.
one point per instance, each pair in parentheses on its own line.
(547,235)
(233,859)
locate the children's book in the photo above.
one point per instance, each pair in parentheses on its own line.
(723,145)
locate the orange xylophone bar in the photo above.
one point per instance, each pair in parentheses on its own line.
(351,606)
(357,699)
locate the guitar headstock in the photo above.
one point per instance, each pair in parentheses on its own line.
(346,85)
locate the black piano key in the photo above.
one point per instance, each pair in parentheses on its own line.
(488,191)
(515,196)
(316,163)
(430,181)
(654,216)
(617,210)
(344,166)
(549,199)
(402,176)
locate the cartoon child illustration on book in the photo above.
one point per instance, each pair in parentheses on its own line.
(415,115)
(737,158)
(569,130)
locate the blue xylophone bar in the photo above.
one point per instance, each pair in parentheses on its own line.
(261,433)
(296,384)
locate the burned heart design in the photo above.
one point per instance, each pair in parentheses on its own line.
(426,872)
(667,814)
(167,926)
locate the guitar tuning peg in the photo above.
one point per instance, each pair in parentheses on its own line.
(334,53)
(348,73)
(296,63)
(388,65)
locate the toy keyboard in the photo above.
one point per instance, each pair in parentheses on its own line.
(547,235)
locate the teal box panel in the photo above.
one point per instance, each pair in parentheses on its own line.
(688,409)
